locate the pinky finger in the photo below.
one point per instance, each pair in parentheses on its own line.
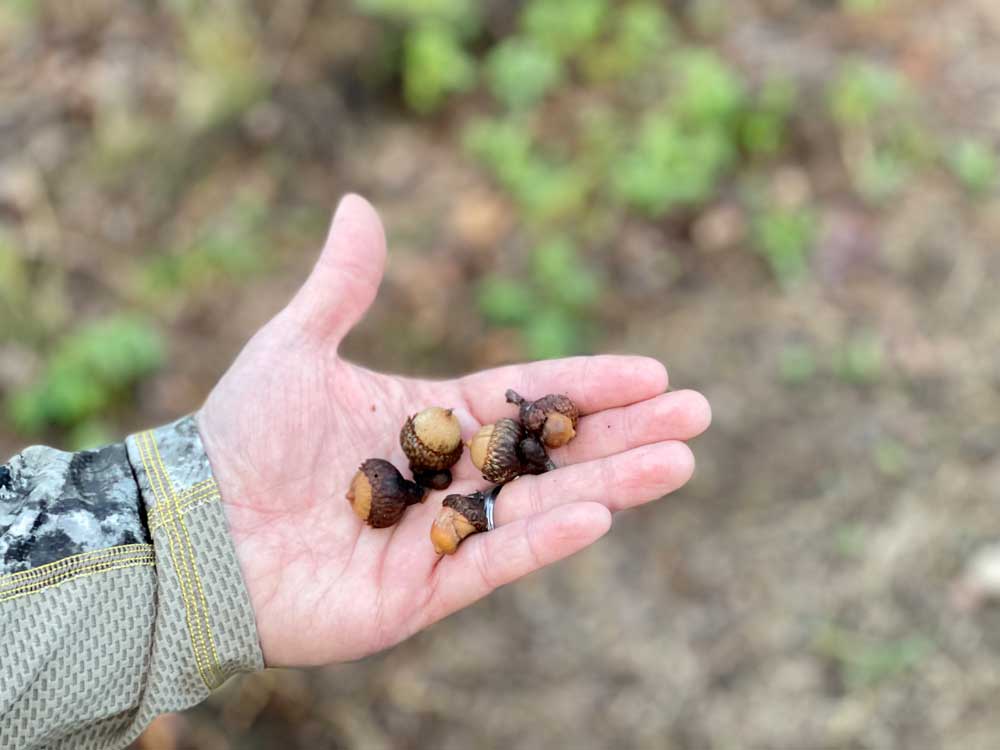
(487,561)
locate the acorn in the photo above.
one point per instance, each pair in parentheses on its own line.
(553,417)
(432,441)
(379,494)
(494,451)
(460,516)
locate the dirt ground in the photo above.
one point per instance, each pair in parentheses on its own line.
(813,588)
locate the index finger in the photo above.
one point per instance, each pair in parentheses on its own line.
(594,383)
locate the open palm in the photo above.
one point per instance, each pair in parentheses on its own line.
(288,425)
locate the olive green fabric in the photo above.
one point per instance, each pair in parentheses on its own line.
(96,644)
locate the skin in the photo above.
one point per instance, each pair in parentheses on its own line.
(287,426)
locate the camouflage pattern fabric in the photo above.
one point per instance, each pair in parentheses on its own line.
(121,595)
(54,505)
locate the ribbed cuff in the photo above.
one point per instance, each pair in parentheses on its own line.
(202,599)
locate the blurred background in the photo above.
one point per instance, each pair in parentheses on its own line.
(795,205)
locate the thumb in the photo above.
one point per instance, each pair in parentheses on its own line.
(343,284)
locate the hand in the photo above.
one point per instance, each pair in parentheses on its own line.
(288,425)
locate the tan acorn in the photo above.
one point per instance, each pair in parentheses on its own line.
(553,418)
(432,441)
(460,516)
(494,451)
(379,494)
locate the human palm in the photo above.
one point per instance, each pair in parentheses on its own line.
(288,425)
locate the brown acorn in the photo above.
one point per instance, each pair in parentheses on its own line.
(379,493)
(553,417)
(494,451)
(432,441)
(460,516)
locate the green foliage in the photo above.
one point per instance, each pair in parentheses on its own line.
(504,301)
(709,92)
(785,238)
(520,72)
(435,65)
(642,33)
(229,246)
(461,14)
(546,189)
(863,91)
(862,6)
(764,125)
(563,27)
(222,74)
(865,661)
(796,364)
(551,310)
(974,163)
(87,371)
(671,165)
(861,360)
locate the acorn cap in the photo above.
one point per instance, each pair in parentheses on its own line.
(379,494)
(432,439)
(554,417)
(460,516)
(494,450)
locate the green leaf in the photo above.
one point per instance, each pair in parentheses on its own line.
(435,65)
(564,27)
(974,162)
(520,72)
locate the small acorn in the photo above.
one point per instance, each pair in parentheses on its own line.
(379,493)
(494,451)
(553,417)
(432,441)
(460,516)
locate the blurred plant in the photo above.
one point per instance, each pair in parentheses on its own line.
(435,65)
(763,130)
(520,72)
(883,140)
(865,661)
(861,359)
(552,310)
(87,372)
(564,28)
(642,32)
(890,456)
(796,363)
(974,163)
(230,245)
(222,72)
(785,237)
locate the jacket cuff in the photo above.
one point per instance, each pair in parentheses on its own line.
(206,622)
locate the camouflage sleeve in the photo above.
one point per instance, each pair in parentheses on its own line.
(120,594)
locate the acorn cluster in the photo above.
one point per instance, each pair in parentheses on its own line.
(503,451)
(432,442)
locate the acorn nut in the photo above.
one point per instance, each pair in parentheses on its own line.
(460,516)
(494,451)
(553,417)
(432,441)
(379,494)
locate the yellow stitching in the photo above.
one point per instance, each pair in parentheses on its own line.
(199,499)
(83,572)
(44,570)
(189,551)
(156,484)
(194,489)
(81,561)
(202,492)
(101,564)
(158,522)
(163,499)
(217,665)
